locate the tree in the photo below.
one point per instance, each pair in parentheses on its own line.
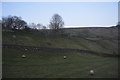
(34,26)
(18,23)
(27,28)
(39,26)
(44,27)
(13,22)
(7,22)
(56,23)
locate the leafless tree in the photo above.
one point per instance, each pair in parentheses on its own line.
(13,22)
(34,26)
(56,23)
(39,26)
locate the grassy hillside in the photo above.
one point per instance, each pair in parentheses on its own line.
(101,43)
(50,64)
(99,32)
(43,64)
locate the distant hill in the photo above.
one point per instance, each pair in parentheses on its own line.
(99,39)
(99,32)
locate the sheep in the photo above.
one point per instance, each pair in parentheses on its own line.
(26,49)
(23,56)
(64,57)
(92,72)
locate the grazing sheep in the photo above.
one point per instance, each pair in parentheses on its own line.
(25,49)
(64,57)
(92,72)
(23,56)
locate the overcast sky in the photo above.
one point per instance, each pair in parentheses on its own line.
(73,13)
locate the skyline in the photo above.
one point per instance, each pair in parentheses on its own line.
(101,14)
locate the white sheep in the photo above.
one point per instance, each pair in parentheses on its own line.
(23,56)
(25,49)
(64,57)
(92,72)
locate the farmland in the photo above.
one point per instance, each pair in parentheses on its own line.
(43,64)
(50,64)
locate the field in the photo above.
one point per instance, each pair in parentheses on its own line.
(51,64)
(87,42)
(43,64)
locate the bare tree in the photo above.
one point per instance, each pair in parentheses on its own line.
(56,23)
(13,22)
(7,22)
(44,27)
(34,26)
(39,26)
(18,23)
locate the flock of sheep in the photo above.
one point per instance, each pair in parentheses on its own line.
(91,72)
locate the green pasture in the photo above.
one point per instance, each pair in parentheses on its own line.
(43,64)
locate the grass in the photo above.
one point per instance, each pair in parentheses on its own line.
(43,64)
(37,39)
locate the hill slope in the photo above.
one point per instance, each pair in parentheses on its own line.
(95,39)
(51,64)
